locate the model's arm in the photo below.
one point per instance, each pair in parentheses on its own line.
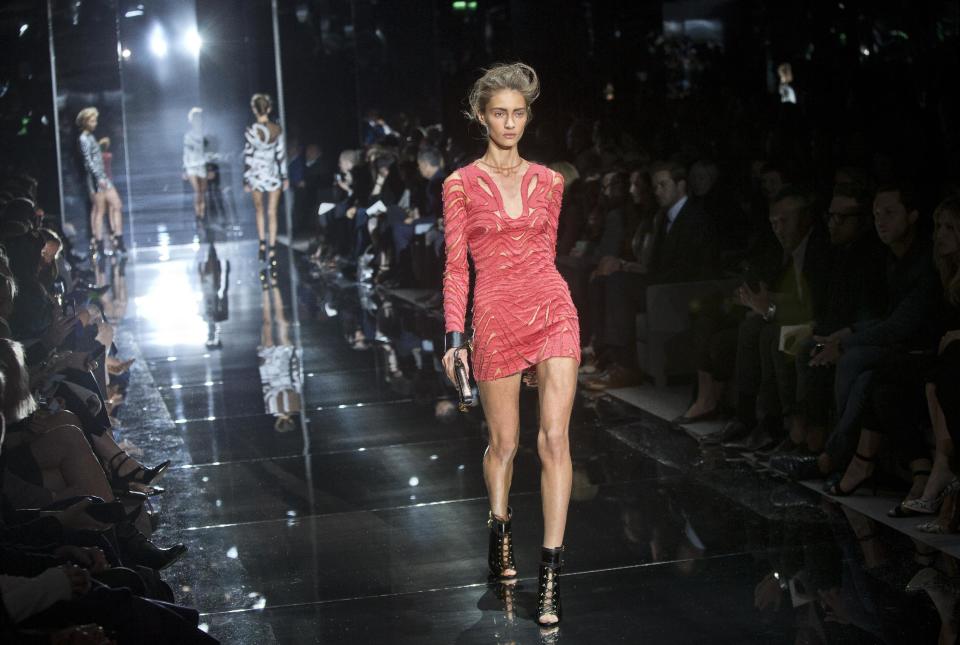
(92,158)
(456,275)
(248,155)
(281,156)
(556,201)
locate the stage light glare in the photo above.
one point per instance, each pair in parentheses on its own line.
(158,42)
(23,28)
(193,42)
(126,53)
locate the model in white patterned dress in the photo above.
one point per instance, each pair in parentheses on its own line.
(265,171)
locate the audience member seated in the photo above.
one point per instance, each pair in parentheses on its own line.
(766,377)
(682,250)
(905,394)
(858,349)
(855,294)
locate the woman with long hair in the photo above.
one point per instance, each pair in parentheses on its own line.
(265,171)
(503,211)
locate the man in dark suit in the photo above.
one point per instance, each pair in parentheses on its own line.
(794,293)
(682,249)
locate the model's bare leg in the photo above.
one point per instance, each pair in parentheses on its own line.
(199,185)
(557,388)
(501,407)
(97,206)
(115,211)
(273,202)
(258,207)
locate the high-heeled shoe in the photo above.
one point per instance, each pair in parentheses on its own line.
(272,261)
(919,505)
(140,477)
(136,549)
(835,490)
(548,598)
(500,551)
(948,520)
(262,252)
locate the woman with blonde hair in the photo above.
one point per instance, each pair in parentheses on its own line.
(195,161)
(103,194)
(502,210)
(265,171)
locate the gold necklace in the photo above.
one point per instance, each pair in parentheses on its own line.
(501,169)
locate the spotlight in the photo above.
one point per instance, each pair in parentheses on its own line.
(126,53)
(192,42)
(158,42)
(23,28)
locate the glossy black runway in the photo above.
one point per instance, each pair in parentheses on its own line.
(365,520)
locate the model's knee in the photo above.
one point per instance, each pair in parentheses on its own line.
(503,450)
(553,442)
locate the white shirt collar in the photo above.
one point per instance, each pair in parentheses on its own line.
(675,210)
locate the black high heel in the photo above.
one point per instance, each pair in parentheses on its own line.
(262,252)
(139,476)
(548,599)
(500,551)
(834,489)
(272,261)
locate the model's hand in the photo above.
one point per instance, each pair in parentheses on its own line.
(103,183)
(286,185)
(448,363)
(247,189)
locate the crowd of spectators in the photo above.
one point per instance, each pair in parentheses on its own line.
(76,561)
(824,330)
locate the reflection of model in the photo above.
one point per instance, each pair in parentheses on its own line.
(195,159)
(265,171)
(103,195)
(280,374)
(215,286)
(504,210)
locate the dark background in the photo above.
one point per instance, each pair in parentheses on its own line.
(875,80)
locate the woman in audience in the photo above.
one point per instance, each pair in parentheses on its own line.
(47,461)
(906,393)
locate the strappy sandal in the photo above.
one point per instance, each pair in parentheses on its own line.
(918,505)
(140,478)
(548,598)
(835,490)
(500,551)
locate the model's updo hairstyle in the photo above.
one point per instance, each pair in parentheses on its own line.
(261,104)
(85,115)
(508,76)
(193,114)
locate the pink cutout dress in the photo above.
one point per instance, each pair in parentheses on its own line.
(522,310)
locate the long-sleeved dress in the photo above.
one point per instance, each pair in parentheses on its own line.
(96,172)
(522,309)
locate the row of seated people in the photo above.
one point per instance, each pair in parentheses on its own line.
(76,562)
(834,302)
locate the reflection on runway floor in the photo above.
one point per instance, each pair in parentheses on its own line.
(326,498)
